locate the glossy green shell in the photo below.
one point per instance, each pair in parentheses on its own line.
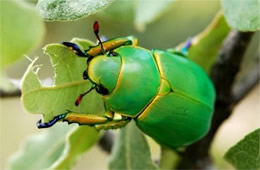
(170,97)
(137,83)
(183,115)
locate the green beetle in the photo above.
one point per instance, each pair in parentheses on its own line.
(170,98)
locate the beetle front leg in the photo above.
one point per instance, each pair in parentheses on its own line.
(75,48)
(80,118)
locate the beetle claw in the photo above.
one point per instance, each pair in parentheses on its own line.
(40,125)
(46,125)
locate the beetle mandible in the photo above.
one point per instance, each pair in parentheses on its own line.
(170,98)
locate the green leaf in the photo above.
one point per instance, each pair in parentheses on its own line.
(148,11)
(42,150)
(21,30)
(245,154)
(206,45)
(242,15)
(168,158)
(122,11)
(77,142)
(69,84)
(56,99)
(131,150)
(67,10)
(140,12)
(58,148)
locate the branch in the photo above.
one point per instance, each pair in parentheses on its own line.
(241,89)
(13,93)
(16,91)
(12,90)
(196,156)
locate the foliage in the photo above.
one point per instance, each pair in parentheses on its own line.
(66,10)
(206,45)
(50,101)
(140,12)
(78,141)
(68,84)
(148,12)
(131,150)
(245,154)
(242,15)
(62,145)
(16,38)
(42,150)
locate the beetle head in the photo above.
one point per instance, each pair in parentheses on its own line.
(103,63)
(103,70)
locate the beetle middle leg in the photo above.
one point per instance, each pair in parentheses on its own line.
(114,124)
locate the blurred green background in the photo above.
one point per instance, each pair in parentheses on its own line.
(183,19)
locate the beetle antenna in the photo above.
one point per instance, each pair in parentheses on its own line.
(96,30)
(79,99)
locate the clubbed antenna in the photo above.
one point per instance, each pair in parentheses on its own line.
(79,99)
(96,30)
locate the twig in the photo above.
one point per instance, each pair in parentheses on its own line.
(16,92)
(13,93)
(14,89)
(246,85)
(196,156)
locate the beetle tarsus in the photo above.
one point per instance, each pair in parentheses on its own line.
(52,122)
(75,48)
(186,46)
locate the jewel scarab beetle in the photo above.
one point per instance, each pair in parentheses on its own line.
(170,98)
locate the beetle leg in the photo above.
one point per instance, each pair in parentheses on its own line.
(109,113)
(75,48)
(80,118)
(186,47)
(114,124)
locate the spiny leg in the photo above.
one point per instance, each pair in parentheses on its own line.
(99,122)
(50,123)
(75,48)
(114,124)
(73,117)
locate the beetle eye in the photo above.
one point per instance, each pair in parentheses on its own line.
(102,90)
(85,75)
(112,54)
